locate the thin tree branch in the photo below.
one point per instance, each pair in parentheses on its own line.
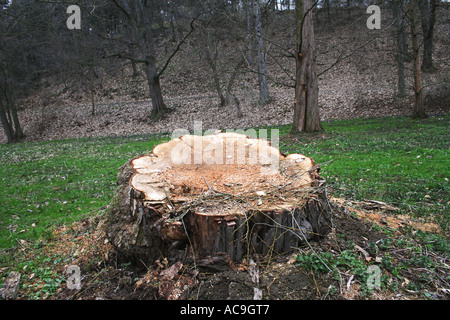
(177,48)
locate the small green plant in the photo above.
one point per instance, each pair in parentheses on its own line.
(45,283)
(320,262)
(352,261)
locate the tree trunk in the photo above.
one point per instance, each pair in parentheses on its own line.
(158,106)
(428,15)
(135,70)
(8,111)
(401,46)
(200,196)
(419,108)
(6,125)
(212,62)
(262,70)
(10,121)
(249,11)
(228,94)
(92,103)
(306,109)
(141,19)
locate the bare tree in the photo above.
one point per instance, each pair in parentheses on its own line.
(141,17)
(211,50)
(14,64)
(216,30)
(306,109)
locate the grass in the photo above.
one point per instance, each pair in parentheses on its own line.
(395,160)
(44,184)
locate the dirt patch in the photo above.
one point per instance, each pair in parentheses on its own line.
(290,282)
(225,285)
(279,281)
(357,231)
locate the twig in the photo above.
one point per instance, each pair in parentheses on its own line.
(349,282)
(190,243)
(315,282)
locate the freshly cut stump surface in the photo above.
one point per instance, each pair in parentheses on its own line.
(202,196)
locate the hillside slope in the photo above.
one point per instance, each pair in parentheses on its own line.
(362,85)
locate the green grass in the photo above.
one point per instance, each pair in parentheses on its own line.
(395,160)
(44,184)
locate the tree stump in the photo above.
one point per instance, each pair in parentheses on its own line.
(202,196)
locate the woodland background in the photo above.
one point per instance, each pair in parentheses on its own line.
(60,83)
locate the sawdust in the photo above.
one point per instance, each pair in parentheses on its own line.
(398,221)
(234,179)
(386,218)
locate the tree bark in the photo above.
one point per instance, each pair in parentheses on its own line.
(401,46)
(199,196)
(92,103)
(158,105)
(262,70)
(10,121)
(249,11)
(5,123)
(428,15)
(419,108)
(18,133)
(306,108)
